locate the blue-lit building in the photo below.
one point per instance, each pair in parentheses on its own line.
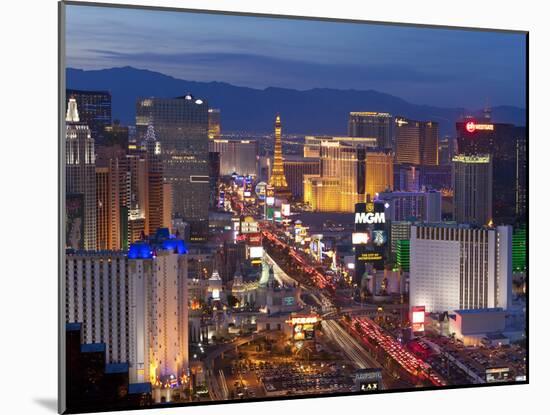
(135,304)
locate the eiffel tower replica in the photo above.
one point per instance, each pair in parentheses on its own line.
(277,178)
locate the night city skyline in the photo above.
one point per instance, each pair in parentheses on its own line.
(225,243)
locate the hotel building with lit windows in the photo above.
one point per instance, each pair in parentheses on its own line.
(349,173)
(458,267)
(472,178)
(80,176)
(507,146)
(378,125)
(181,127)
(417,142)
(135,303)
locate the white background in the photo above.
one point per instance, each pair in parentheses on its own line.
(28,152)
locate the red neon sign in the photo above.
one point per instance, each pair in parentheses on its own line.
(472,126)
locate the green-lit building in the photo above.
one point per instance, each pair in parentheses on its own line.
(519,250)
(403,254)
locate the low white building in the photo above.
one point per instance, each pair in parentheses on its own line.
(473,327)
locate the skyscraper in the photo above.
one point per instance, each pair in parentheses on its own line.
(473,189)
(378,125)
(136,304)
(112,158)
(416,142)
(137,182)
(457,267)
(345,163)
(94,109)
(501,142)
(349,171)
(181,127)
(521,180)
(277,178)
(155,210)
(108,207)
(378,172)
(80,172)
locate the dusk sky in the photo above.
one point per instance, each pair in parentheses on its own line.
(451,68)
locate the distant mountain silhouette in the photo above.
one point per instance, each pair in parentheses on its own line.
(314,111)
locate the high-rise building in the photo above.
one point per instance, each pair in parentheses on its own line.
(446,150)
(521,180)
(138,187)
(346,164)
(407,206)
(277,178)
(236,156)
(296,167)
(155,208)
(399,230)
(473,189)
(378,125)
(501,142)
(458,267)
(403,254)
(108,207)
(94,110)
(323,194)
(80,173)
(214,124)
(181,127)
(519,250)
(352,171)
(379,172)
(134,303)
(417,142)
(112,159)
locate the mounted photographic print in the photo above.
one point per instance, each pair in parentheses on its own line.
(258,207)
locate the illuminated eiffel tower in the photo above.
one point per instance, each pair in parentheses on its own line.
(277,178)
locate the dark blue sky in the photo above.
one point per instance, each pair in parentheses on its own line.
(425,66)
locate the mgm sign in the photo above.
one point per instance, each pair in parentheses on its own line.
(368,216)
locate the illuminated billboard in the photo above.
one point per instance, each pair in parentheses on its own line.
(285,209)
(472,127)
(418,316)
(360,238)
(255,251)
(379,237)
(368,380)
(369,257)
(254,239)
(303,328)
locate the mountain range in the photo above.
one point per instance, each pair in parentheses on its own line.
(313,111)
